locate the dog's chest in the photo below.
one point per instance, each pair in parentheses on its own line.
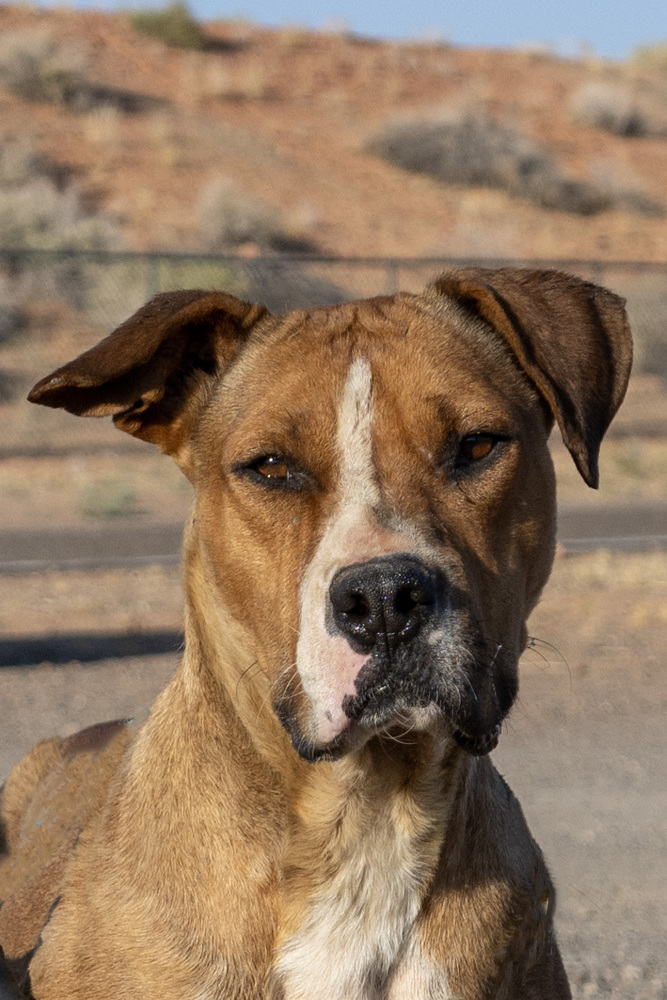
(358,938)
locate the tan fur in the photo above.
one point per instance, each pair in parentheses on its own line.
(207,854)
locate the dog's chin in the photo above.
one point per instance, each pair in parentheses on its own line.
(395,714)
(396,726)
(396,720)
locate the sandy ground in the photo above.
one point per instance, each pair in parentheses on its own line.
(584,749)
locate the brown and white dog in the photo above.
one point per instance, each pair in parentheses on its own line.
(309,812)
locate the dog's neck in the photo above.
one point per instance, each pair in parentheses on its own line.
(334,842)
(363,841)
(375,818)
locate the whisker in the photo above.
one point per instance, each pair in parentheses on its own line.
(531,648)
(495,655)
(533,644)
(468,682)
(289,680)
(247,670)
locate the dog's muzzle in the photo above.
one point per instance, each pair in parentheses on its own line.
(389,607)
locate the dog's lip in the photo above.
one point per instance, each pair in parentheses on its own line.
(480,745)
(366,714)
(370,719)
(359,731)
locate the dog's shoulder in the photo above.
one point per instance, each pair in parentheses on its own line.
(56,790)
(53,771)
(492,903)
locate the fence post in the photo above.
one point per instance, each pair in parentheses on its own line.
(391,277)
(152,276)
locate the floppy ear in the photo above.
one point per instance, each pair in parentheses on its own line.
(570,337)
(153,373)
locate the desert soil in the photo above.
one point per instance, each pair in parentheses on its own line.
(584,748)
(286,115)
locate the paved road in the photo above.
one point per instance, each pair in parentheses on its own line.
(628,528)
(633,528)
(86,647)
(131,544)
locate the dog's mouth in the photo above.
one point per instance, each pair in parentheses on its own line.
(406,695)
(397,724)
(478,746)
(378,707)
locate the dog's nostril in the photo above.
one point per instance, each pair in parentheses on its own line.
(353,604)
(410,597)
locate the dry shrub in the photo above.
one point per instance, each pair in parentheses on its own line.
(36,212)
(36,68)
(38,215)
(614,108)
(473,150)
(620,189)
(18,164)
(282,285)
(647,310)
(13,321)
(230,220)
(173,24)
(651,57)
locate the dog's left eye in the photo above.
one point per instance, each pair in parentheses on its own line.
(474,448)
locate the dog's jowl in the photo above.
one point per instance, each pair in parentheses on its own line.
(310,811)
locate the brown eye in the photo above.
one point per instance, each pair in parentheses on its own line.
(276,472)
(474,448)
(273,468)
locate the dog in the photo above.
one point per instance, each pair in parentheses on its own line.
(309,811)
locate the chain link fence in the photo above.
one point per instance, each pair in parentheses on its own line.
(54,304)
(107,286)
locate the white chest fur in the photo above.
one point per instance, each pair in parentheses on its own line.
(358,937)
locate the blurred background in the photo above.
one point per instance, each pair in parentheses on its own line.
(299,159)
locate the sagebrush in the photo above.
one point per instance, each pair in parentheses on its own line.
(35,67)
(230,219)
(36,212)
(617,109)
(173,24)
(469,148)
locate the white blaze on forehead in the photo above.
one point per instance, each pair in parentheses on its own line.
(326,663)
(354,436)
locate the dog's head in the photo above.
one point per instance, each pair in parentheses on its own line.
(375,502)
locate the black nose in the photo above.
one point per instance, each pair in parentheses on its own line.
(383,602)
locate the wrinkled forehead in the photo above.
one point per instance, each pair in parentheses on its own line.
(419,360)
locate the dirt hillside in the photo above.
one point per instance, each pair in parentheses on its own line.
(284,117)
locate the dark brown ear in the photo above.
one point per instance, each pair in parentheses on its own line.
(571,338)
(154,372)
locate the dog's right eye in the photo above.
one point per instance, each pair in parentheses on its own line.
(272,467)
(274,471)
